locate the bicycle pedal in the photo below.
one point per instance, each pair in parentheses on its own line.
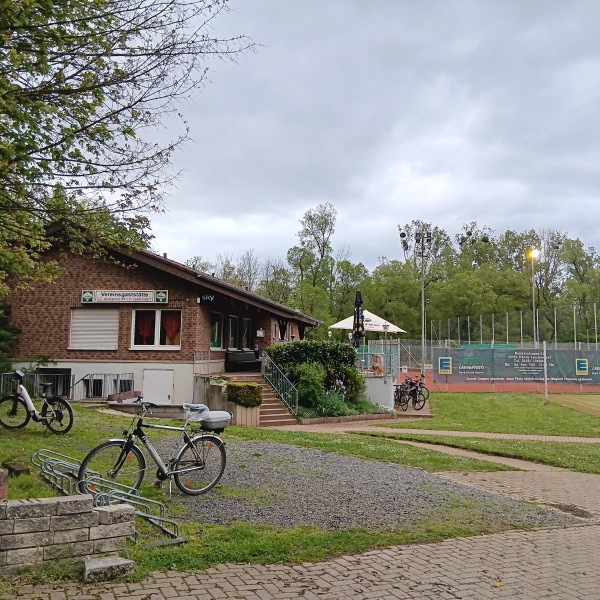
(158,484)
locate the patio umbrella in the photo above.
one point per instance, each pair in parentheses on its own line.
(372,322)
(358,322)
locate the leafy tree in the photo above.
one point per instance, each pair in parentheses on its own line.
(84,84)
(347,278)
(582,283)
(247,271)
(312,261)
(277,282)
(393,291)
(318,226)
(474,274)
(200,264)
(225,267)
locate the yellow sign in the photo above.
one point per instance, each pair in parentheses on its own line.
(445,365)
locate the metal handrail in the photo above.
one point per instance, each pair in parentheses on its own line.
(101,385)
(280,383)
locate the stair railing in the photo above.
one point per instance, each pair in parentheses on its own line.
(281,384)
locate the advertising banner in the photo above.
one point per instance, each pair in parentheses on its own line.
(514,365)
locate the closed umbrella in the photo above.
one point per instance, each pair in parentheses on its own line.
(358,324)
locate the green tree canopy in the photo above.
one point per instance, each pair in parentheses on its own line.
(84,85)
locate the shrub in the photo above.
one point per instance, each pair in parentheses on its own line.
(354,386)
(338,360)
(309,383)
(331,404)
(245,394)
(332,355)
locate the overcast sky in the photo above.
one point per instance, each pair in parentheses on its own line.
(448,111)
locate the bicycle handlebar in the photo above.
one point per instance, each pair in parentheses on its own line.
(144,406)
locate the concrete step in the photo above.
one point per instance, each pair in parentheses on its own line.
(106,568)
(274,415)
(278,422)
(272,411)
(274,401)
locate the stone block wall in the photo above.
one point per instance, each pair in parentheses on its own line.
(45,529)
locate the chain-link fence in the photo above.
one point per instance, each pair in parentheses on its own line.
(573,327)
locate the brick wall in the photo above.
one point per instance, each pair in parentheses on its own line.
(39,530)
(44,313)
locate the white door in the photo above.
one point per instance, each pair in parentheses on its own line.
(158,386)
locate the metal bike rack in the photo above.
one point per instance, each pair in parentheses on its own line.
(62,472)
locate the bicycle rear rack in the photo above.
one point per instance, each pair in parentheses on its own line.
(62,472)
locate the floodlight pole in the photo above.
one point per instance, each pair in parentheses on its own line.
(534,253)
(420,238)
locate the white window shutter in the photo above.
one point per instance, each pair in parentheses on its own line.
(94,329)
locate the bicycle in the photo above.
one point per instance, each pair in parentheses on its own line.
(411,389)
(419,393)
(196,464)
(401,394)
(17,409)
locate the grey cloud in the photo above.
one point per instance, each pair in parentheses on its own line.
(449,111)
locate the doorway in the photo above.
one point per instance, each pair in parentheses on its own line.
(158,385)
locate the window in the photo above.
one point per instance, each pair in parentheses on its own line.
(157,328)
(216,330)
(233,332)
(246,333)
(94,329)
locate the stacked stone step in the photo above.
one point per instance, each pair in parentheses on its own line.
(273,412)
(41,530)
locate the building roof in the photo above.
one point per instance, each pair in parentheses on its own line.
(211,282)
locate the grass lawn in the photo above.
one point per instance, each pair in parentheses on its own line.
(584,458)
(243,542)
(513,414)
(504,413)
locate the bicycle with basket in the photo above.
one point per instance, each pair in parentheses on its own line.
(196,464)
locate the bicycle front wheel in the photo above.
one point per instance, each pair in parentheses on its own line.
(57,415)
(13,412)
(200,464)
(425,392)
(112,461)
(419,401)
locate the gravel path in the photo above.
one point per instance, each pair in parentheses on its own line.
(285,486)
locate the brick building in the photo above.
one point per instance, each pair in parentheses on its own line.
(142,321)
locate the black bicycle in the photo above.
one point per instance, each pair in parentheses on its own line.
(411,390)
(401,394)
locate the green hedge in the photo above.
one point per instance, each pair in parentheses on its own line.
(245,394)
(337,358)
